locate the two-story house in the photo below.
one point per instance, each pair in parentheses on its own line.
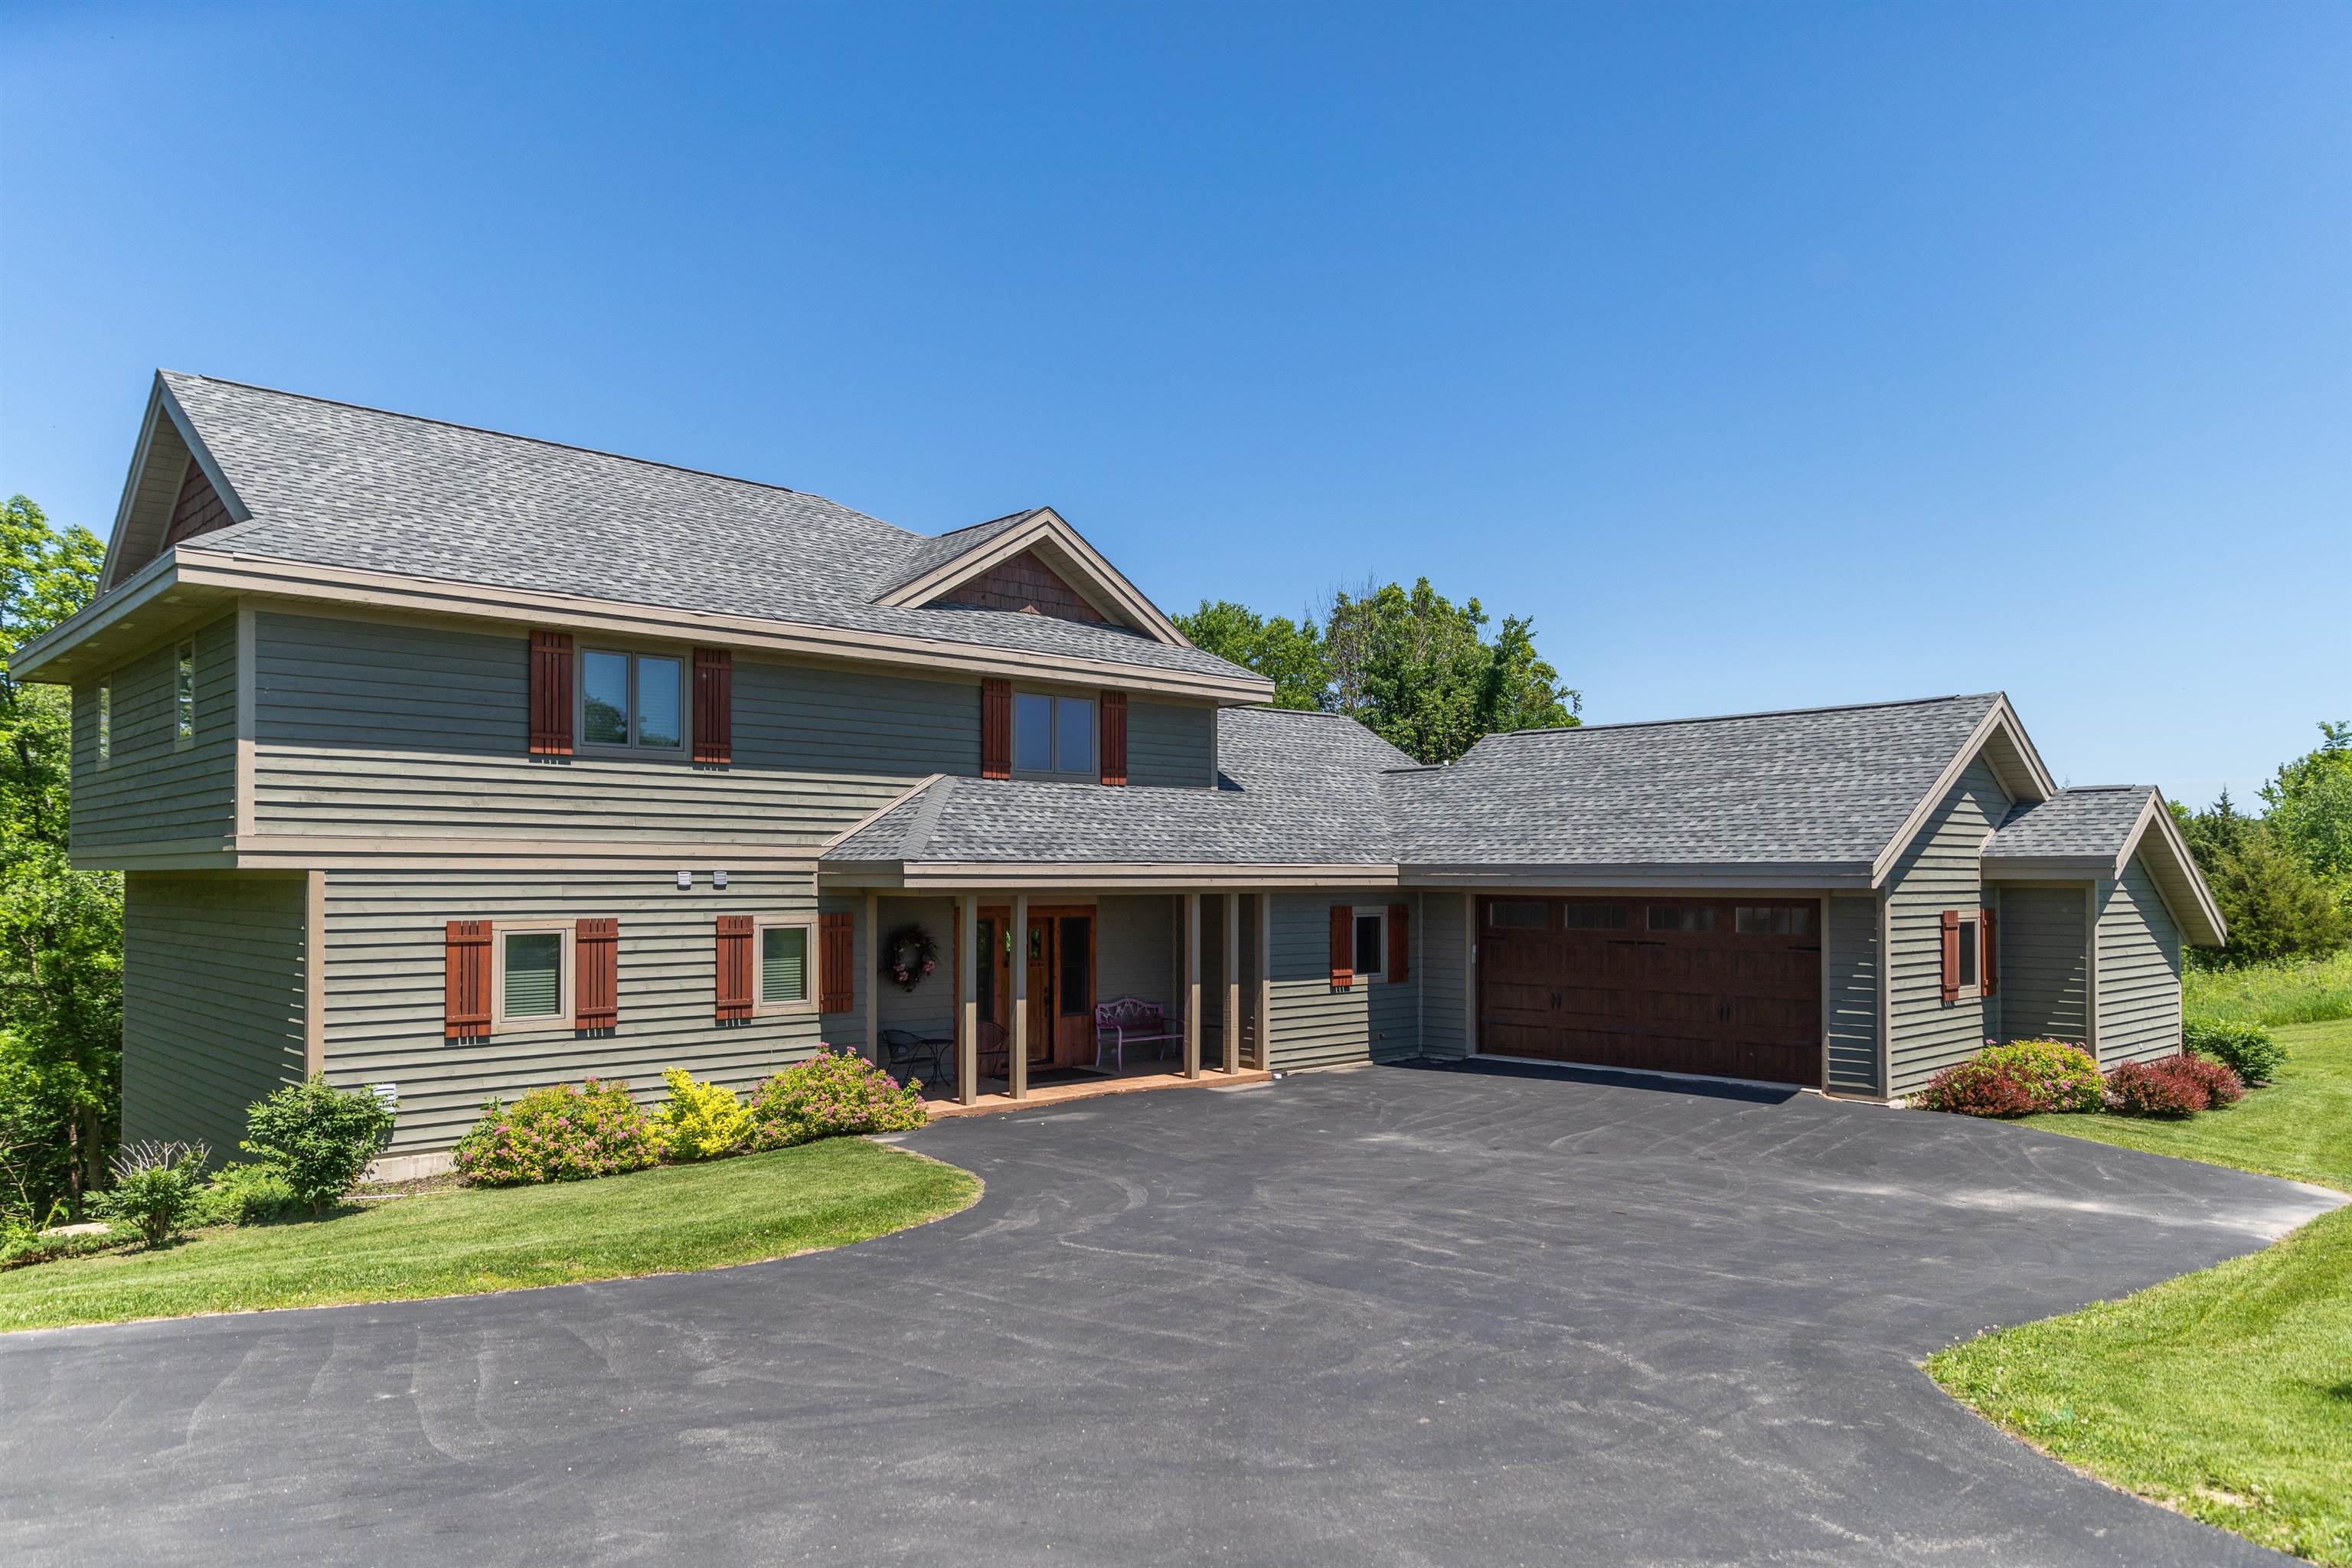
(458,763)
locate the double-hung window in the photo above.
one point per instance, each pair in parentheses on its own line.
(787,959)
(1372,944)
(1053,737)
(532,981)
(633,701)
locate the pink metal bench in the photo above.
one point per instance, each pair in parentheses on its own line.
(1130,1021)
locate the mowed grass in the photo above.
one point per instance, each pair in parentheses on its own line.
(2291,991)
(2226,1393)
(465,1242)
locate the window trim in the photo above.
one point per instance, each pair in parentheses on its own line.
(105,722)
(1089,774)
(183,694)
(567,979)
(811,980)
(631,747)
(1972,955)
(1360,913)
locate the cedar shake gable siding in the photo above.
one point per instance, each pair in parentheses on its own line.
(199,509)
(1028,586)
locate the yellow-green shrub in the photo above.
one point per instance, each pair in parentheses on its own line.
(702,1121)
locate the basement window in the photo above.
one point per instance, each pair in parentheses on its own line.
(533,963)
(784,960)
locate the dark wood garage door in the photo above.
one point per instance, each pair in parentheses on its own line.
(1723,987)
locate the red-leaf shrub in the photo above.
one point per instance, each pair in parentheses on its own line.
(2221,1085)
(2155,1088)
(1978,1087)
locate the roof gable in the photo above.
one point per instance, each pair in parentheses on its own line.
(2094,833)
(173,480)
(945,575)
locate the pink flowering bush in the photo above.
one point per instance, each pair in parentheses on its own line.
(559,1135)
(833,1092)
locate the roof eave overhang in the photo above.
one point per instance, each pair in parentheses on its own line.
(2174,869)
(274,577)
(1853,876)
(155,601)
(991,876)
(1102,582)
(2001,720)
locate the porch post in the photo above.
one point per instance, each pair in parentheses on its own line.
(1233,924)
(1017,1049)
(968,1013)
(870,982)
(1191,985)
(1266,981)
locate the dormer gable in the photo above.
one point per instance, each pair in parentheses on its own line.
(175,491)
(1030,563)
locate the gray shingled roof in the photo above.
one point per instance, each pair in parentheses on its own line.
(1820,787)
(1299,789)
(2091,822)
(335,485)
(945,547)
(1828,787)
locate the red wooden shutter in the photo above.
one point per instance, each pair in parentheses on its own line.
(465,1001)
(1114,737)
(734,970)
(714,705)
(1988,961)
(996,728)
(1951,955)
(1400,941)
(597,962)
(836,964)
(1343,946)
(550,694)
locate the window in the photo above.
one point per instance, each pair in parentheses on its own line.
(1371,943)
(105,723)
(1592,917)
(533,966)
(1053,735)
(1773,920)
(633,699)
(1519,914)
(1682,917)
(1969,952)
(183,695)
(1075,948)
(787,964)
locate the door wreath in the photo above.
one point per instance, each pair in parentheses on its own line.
(907,955)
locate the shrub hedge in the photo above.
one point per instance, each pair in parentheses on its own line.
(559,1135)
(2247,1049)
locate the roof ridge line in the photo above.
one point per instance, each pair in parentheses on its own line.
(543,441)
(1759,713)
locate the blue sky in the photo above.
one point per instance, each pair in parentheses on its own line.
(1765,355)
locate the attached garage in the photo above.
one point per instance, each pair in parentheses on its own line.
(1728,988)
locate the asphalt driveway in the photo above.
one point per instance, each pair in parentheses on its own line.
(1390,1316)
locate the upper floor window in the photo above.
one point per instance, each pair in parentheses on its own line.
(1052,735)
(634,699)
(105,723)
(183,694)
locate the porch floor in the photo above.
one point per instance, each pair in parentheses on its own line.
(1155,1074)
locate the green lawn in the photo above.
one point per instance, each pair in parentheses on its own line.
(2227,1393)
(464,1242)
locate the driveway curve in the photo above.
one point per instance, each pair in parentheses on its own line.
(1393,1316)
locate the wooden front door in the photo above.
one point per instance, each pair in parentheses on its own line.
(1727,988)
(1040,959)
(1059,950)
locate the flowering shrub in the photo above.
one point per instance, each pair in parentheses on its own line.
(2058,1076)
(1978,1087)
(832,1092)
(2247,1049)
(2155,1088)
(702,1121)
(559,1135)
(2221,1086)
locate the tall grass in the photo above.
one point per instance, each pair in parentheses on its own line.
(2290,991)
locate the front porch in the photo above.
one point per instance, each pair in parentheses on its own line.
(1009,1014)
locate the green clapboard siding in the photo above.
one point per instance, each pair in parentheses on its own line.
(1316,1026)
(2044,968)
(1852,968)
(393,730)
(1939,870)
(386,936)
(2140,970)
(214,969)
(1438,931)
(1173,744)
(152,791)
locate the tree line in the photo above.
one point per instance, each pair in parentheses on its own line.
(2283,876)
(1408,663)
